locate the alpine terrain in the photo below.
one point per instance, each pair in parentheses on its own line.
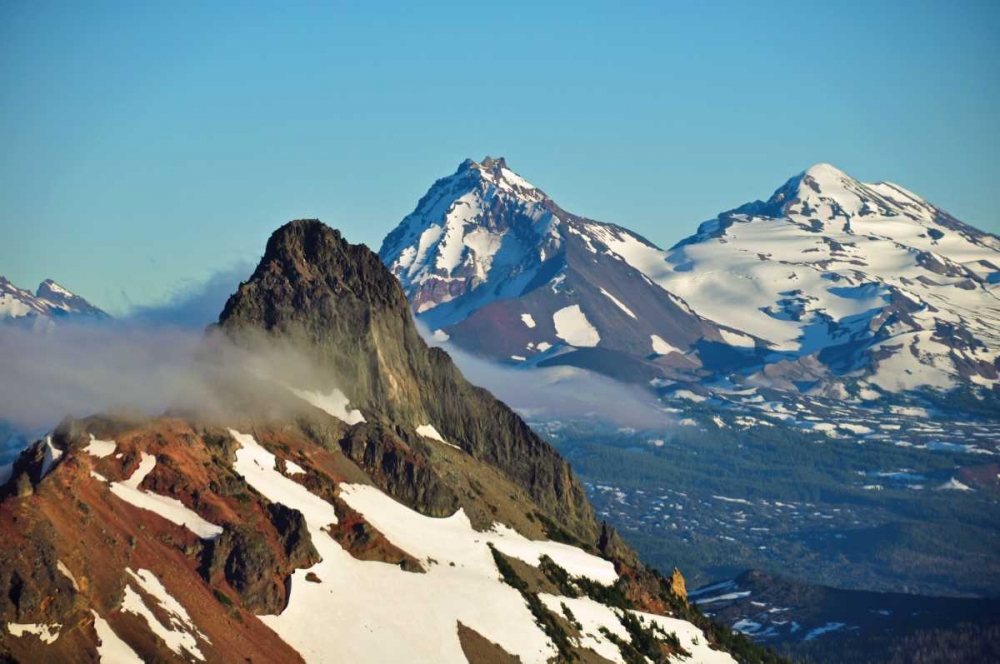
(831,286)
(494,265)
(50,303)
(357,500)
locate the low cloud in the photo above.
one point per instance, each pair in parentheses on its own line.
(562,392)
(80,370)
(163,357)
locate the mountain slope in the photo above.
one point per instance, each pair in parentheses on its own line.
(50,302)
(490,262)
(829,279)
(329,508)
(869,279)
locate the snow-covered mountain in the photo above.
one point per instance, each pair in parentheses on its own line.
(828,281)
(867,281)
(49,303)
(494,265)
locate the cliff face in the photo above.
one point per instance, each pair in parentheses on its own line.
(340,303)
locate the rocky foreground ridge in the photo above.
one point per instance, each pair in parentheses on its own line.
(364,503)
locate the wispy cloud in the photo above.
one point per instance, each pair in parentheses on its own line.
(559,392)
(195,305)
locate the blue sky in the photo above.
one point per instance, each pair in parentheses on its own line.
(147,146)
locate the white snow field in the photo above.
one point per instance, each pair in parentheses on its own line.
(345,616)
(573,327)
(100,448)
(662,347)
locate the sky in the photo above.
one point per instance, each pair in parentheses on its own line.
(147,147)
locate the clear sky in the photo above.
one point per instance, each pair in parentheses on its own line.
(146,145)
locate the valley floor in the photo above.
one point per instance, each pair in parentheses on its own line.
(893,499)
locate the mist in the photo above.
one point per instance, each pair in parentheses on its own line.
(81,370)
(559,392)
(155,359)
(193,306)
(162,357)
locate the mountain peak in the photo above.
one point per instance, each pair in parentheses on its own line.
(823,170)
(823,191)
(53,291)
(825,179)
(495,173)
(493,164)
(50,299)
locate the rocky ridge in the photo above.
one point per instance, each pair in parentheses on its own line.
(234,534)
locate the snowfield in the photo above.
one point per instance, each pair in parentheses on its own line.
(661,347)
(47,633)
(904,295)
(344,616)
(573,327)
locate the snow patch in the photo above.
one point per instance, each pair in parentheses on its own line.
(47,633)
(728,597)
(573,327)
(954,485)
(825,629)
(180,634)
(257,466)
(100,448)
(333,403)
(737,339)
(51,456)
(619,304)
(61,566)
(428,431)
(661,346)
(170,509)
(111,648)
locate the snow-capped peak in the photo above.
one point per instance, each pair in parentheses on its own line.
(496,173)
(448,244)
(832,262)
(824,192)
(825,172)
(49,300)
